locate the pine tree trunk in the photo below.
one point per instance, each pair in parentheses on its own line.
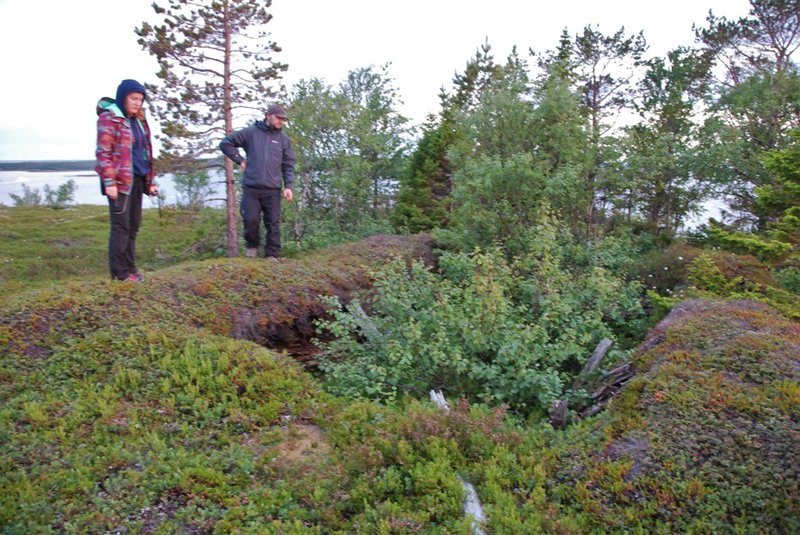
(230,185)
(230,189)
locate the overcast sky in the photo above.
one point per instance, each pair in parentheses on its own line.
(59,57)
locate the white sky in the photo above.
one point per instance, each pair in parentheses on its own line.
(58,57)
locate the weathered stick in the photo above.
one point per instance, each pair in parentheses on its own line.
(472,504)
(599,352)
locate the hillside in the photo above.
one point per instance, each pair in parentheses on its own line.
(705,439)
(173,406)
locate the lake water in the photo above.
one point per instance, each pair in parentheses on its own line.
(88,190)
(87,184)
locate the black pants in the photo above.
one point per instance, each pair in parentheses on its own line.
(126,218)
(254,202)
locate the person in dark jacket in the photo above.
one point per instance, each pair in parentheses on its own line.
(124,163)
(268,167)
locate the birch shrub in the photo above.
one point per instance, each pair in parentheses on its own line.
(483,328)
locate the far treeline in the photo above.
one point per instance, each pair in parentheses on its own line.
(595,132)
(47,165)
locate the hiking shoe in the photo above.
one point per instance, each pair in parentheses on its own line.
(132,278)
(272,258)
(251,252)
(139,276)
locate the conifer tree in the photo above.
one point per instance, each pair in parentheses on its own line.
(781,199)
(425,190)
(663,163)
(604,69)
(422,199)
(757,101)
(215,66)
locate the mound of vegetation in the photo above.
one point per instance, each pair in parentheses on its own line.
(705,439)
(148,408)
(180,405)
(125,406)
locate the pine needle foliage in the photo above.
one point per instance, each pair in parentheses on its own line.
(216,68)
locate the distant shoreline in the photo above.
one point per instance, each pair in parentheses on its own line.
(47,165)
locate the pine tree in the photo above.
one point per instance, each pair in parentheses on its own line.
(216,65)
(758,98)
(422,199)
(781,200)
(664,165)
(604,68)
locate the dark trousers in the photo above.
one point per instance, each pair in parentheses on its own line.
(256,201)
(126,218)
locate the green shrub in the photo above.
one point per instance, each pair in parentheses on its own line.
(193,188)
(314,231)
(495,201)
(789,279)
(763,248)
(709,280)
(481,328)
(53,198)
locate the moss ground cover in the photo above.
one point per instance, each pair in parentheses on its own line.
(156,408)
(39,245)
(713,447)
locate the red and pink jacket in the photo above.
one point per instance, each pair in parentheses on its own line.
(114,141)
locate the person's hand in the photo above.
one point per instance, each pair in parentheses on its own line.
(111,192)
(153,190)
(243,165)
(288,195)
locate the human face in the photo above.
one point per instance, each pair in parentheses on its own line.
(275,121)
(133,103)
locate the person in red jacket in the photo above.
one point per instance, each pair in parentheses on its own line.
(125,164)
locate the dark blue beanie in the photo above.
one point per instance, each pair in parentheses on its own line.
(126,87)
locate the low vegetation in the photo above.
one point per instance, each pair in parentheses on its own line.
(173,406)
(39,245)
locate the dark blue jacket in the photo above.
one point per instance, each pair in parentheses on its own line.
(270,157)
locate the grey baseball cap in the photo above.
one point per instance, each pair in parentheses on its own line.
(277,111)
